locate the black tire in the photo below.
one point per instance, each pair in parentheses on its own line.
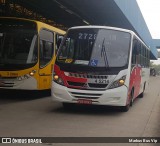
(132,95)
(126,108)
(142,94)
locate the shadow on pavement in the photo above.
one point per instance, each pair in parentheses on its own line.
(92,109)
(89,109)
(20,95)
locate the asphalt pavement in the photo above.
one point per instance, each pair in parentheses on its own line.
(30,114)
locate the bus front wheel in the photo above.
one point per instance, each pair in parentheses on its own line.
(126,108)
(142,94)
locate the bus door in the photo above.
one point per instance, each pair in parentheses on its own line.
(47,58)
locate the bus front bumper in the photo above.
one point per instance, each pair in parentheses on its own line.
(112,97)
(26,84)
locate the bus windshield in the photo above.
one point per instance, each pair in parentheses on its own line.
(18,43)
(95,47)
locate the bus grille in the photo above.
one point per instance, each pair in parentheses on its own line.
(85,95)
(92,85)
(4,84)
(89,76)
(75,84)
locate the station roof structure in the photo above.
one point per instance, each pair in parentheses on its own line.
(67,13)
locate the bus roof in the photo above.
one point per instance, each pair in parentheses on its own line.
(111,28)
(104,27)
(35,21)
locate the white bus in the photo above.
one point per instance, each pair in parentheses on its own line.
(100,65)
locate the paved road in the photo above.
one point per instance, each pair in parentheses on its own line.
(23,114)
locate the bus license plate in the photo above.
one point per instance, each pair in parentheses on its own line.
(84,101)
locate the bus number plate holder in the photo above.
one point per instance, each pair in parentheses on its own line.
(84,101)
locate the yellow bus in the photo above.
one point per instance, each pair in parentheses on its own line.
(27,53)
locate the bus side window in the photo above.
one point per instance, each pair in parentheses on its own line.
(134,52)
(138,53)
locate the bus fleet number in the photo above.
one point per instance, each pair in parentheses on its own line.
(101,81)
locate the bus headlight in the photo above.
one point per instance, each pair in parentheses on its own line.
(57,79)
(32,72)
(118,83)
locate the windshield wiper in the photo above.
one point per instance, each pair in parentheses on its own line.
(104,54)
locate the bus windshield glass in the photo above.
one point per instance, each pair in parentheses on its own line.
(18,43)
(96,47)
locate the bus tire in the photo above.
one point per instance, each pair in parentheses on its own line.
(142,94)
(126,108)
(132,97)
